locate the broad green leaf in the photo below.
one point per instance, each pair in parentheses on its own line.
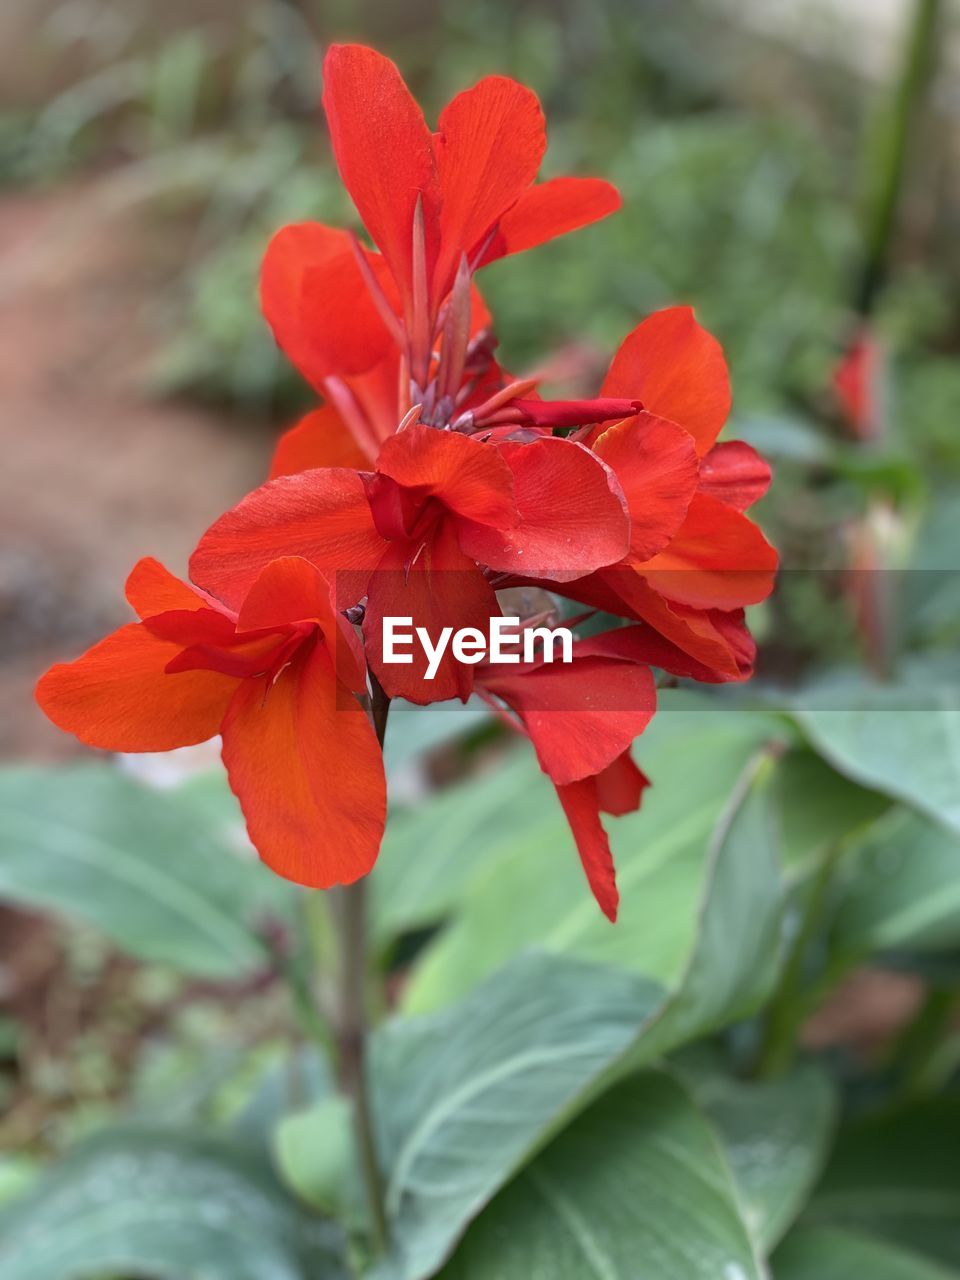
(775,1135)
(167,1204)
(528,888)
(896,1176)
(636,1186)
(812,830)
(465,1095)
(824,1254)
(901,889)
(902,739)
(150,868)
(315,1152)
(470,1092)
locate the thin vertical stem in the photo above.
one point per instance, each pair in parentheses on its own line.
(352,1023)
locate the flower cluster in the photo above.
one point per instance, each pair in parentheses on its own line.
(427,483)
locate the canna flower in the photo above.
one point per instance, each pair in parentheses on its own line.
(277,677)
(415,537)
(695,560)
(582,718)
(376,332)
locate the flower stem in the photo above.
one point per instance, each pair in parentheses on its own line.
(351,1018)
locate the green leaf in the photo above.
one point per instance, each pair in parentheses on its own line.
(166,1204)
(902,739)
(822,1254)
(775,1135)
(315,1152)
(901,889)
(150,868)
(415,731)
(466,1094)
(469,1093)
(527,887)
(635,1187)
(896,1176)
(811,831)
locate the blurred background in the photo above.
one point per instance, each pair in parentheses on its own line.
(789,168)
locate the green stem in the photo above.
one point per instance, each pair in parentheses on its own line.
(887,152)
(351,1018)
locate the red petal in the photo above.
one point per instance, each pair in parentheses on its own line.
(656,464)
(718,560)
(580,716)
(320,335)
(384,151)
(467,477)
(153,589)
(116,696)
(621,786)
(573,413)
(305,765)
(292,590)
(551,209)
(573,515)
(581,804)
(318,440)
(321,515)
(442,588)
(735,473)
(489,145)
(678,370)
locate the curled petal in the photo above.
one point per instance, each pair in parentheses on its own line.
(581,804)
(551,209)
(677,369)
(573,516)
(469,478)
(118,697)
(320,515)
(735,473)
(656,464)
(304,762)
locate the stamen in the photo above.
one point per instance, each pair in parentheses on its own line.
(344,401)
(502,397)
(409,417)
(456,333)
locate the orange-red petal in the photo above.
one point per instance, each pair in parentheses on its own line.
(321,515)
(656,464)
(573,516)
(489,146)
(384,152)
(304,762)
(551,209)
(153,589)
(581,804)
(735,473)
(469,478)
(318,440)
(718,559)
(116,696)
(678,370)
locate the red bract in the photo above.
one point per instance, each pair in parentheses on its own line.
(581,718)
(438,206)
(277,678)
(411,537)
(695,560)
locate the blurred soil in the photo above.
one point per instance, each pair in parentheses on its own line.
(95,474)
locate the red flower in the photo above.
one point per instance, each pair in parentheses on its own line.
(379,332)
(582,717)
(695,560)
(277,678)
(411,536)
